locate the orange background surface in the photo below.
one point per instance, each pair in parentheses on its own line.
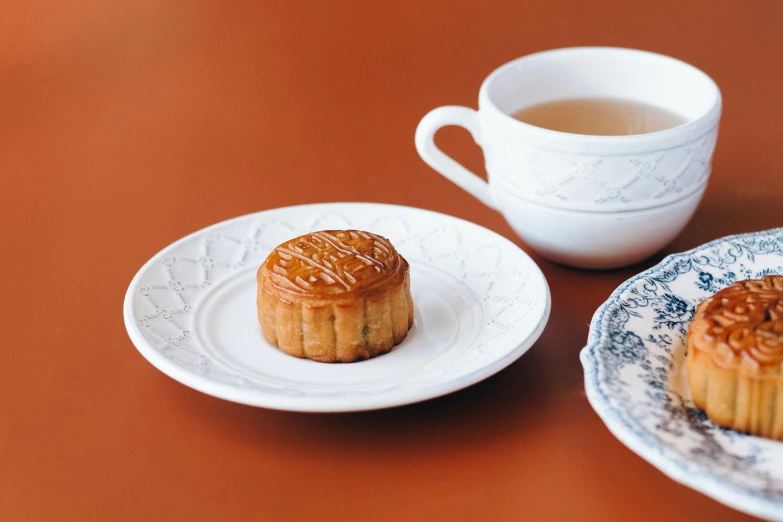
(125,125)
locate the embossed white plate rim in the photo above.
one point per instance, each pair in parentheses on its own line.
(324,404)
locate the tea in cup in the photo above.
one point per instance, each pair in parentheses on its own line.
(596,156)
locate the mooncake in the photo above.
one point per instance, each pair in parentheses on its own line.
(735,356)
(335,296)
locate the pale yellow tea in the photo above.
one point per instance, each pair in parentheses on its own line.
(599,116)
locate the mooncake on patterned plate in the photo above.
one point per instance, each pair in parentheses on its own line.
(735,356)
(335,296)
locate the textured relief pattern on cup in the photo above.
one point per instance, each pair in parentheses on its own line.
(604,182)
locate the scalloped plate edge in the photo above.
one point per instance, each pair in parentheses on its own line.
(672,466)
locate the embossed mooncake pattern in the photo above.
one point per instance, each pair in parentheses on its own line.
(735,345)
(335,296)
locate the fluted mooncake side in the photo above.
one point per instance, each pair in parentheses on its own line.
(735,356)
(335,296)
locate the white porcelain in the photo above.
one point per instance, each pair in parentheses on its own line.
(480,303)
(635,375)
(592,174)
(597,240)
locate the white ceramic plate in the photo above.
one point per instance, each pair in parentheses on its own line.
(635,376)
(480,302)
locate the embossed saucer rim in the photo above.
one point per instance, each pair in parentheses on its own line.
(310,404)
(678,469)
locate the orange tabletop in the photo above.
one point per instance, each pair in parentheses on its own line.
(125,125)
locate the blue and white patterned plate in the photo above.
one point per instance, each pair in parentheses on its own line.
(635,374)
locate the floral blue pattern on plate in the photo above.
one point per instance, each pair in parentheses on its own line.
(635,374)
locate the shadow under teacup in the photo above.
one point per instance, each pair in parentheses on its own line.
(587,200)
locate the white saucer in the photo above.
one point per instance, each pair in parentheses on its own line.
(480,303)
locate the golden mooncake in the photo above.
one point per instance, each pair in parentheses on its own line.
(335,296)
(735,356)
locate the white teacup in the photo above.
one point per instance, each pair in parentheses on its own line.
(583,200)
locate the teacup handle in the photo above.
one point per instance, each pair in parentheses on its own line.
(435,158)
